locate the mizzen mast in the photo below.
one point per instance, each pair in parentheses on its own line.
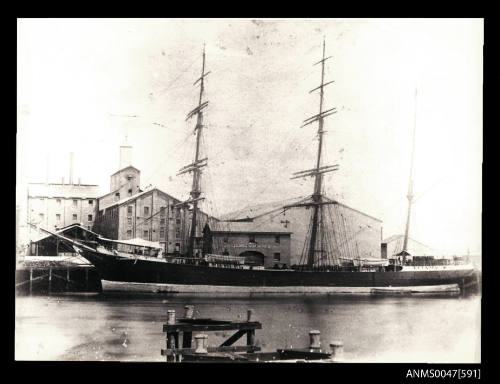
(317,201)
(198,163)
(410,183)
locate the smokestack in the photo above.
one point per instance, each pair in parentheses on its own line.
(71,167)
(47,170)
(125,156)
(79,180)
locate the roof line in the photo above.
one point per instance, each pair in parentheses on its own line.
(78,185)
(128,166)
(251,231)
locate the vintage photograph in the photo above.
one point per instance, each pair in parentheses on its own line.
(249,190)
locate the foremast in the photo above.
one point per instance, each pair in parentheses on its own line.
(317,199)
(195,167)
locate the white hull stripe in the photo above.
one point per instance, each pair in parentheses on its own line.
(119,286)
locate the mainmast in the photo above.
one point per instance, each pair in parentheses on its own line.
(317,200)
(410,183)
(198,163)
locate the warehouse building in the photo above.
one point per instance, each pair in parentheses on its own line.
(361,233)
(258,246)
(56,205)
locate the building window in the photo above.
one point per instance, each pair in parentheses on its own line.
(75,217)
(129,210)
(75,202)
(129,233)
(146,211)
(58,216)
(58,201)
(162,232)
(91,202)
(251,238)
(177,234)
(41,216)
(130,192)
(225,239)
(129,221)
(276,257)
(162,221)
(117,194)
(88,227)
(146,233)
(89,218)
(277,239)
(162,211)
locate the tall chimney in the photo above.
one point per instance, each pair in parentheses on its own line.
(79,180)
(125,156)
(47,170)
(71,167)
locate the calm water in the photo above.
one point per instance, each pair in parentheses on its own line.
(129,328)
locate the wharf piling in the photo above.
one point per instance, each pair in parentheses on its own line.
(185,327)
(57,278)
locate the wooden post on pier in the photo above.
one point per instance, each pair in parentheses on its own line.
(86,278)
(187,336)
(31,280)
(50,280)
(172,337)
(250,333)
(67,277)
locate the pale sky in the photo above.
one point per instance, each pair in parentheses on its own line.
(84,84)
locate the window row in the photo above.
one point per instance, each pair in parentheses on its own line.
(75,201)
(58,217)
(162,211)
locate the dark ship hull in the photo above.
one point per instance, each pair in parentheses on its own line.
(146,275)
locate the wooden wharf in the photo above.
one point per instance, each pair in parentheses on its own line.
(182,329)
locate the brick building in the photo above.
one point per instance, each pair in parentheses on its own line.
(150,215)
(258,246)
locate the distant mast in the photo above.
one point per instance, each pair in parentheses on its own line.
(198,163)
(410,183)
(317,201)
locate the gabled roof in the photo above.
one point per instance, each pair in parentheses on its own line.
(64,229)
(255,211)
(137,195)
(127,167)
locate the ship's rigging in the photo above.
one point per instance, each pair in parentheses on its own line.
(320,249)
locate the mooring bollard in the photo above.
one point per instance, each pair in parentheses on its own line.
(188,311)
(337,348)
(249,315)
(314,340)
(171,316)
(186,335)
(201,343)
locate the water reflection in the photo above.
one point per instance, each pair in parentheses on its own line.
(373,329)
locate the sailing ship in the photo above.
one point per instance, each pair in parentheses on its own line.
(321,270)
